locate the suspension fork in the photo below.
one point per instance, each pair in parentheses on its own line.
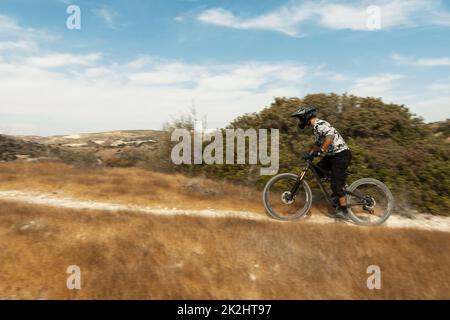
(298,182)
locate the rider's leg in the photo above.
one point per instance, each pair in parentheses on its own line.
(325,165)
(339,167)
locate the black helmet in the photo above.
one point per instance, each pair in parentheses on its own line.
(304,114)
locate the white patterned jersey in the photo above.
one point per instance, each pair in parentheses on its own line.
(323,129)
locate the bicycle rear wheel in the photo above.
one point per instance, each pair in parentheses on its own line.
(371,203)
(279,202)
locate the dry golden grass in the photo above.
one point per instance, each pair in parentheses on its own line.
(126,255)
(128,185)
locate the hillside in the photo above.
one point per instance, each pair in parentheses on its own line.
(12,148)
(441,129)
(114,148)
(99,139)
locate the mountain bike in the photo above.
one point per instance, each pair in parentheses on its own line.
(287,196)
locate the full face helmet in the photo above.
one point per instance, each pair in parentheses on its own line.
(303,115)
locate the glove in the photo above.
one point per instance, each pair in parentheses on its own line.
(315,154)
(312,155)
(307,156)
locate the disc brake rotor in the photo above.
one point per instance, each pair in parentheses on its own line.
(286,198)
(369,204)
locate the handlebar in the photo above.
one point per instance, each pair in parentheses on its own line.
(309,156)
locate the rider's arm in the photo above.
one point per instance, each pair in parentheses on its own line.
(315,148)
(328,141)
(324,147)
(324,130)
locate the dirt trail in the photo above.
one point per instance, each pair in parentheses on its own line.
(420,221)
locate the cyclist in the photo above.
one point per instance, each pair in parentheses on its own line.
(335,153)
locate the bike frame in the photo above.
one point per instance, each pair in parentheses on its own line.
(314,169)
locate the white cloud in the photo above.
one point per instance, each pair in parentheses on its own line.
(11,30)
(179,18)
(382,85)
(124,98)
(96,73)
(8,24)
(56,60)
(441,86)
(435,108)
(140,62)
(322,71)
(159,77)
(291,19)
(421,62)
(283,20)
(432,103)
(108,16)
(18,45)
(431,62)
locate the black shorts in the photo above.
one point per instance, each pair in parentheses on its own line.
(338,165)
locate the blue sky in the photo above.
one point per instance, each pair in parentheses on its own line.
(134,64)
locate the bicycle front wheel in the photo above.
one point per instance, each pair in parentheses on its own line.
(370,202)
(280,203)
